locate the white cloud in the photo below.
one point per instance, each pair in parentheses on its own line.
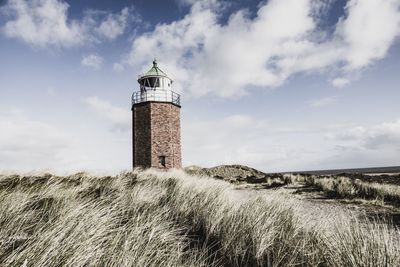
(368,31)
(93,61)
(322,102)
(374,137)
(114,25)
(362,146)
(29,144)
(243,139)
(271,146)
(44,23)
(207,57)
(119,117)
(340,82)
(26,143)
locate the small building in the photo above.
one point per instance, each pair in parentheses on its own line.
(156,130)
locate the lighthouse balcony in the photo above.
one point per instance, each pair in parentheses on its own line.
(167,96)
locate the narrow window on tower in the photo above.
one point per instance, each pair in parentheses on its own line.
(162,160)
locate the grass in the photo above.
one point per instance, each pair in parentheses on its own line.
(344,187)
(148,218)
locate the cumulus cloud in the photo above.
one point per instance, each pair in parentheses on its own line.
(119,117)
(208,57)
(114,25)
(368,30)
(44,23)
(92,61)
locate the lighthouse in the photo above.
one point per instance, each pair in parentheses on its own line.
(156,130)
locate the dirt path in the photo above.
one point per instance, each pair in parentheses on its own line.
(320,211)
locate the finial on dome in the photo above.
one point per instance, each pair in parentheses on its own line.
(155,62)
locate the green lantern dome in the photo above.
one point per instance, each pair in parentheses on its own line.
(154,71)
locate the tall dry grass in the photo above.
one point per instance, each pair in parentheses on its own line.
(89,221)
(344,187)
(147,218)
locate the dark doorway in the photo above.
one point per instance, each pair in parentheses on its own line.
(162,160)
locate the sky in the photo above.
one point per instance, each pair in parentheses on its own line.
(278,85)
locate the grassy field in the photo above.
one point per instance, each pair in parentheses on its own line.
(149,218)
(345,187)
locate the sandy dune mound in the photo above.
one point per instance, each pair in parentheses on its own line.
(233,173)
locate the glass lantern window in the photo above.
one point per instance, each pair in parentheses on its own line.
(152,82)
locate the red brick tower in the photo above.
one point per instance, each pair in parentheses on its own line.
(156,130)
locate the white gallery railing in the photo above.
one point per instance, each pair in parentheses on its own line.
(157,96)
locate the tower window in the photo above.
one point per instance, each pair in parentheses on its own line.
(161,159)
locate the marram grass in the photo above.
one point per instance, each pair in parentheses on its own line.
(148,218)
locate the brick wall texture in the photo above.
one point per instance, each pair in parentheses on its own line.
(156,135)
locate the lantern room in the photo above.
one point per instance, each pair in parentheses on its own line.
(154,79)
(155,85)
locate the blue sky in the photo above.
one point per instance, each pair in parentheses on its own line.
(278,85)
